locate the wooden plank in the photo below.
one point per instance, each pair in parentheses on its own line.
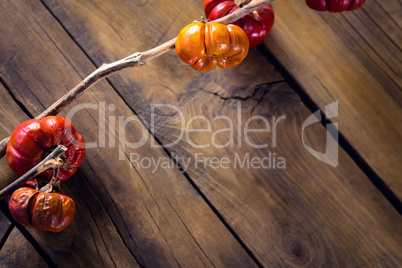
(381,14)
(92,239)
(92,230)
(393,10)
(10,114)
(373,38)
(94,227)
(354,58)
(309,214)
(5,229)
(18,252)
(158,215)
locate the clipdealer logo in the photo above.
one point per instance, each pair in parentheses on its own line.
(330,156)
(237,132)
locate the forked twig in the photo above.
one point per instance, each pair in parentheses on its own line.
(51,161)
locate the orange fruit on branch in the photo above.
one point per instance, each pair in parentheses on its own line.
(205,45)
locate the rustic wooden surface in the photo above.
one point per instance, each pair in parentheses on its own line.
(309,214)
(355,58)
(138,202)
(18,252)
(5,227)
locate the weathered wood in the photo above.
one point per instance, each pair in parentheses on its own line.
(91,231)
(92,239)
(11,116)
(48,163)
(159,216)
(309,214)
(18,252)
(5,229)
(354,58)
(136,59)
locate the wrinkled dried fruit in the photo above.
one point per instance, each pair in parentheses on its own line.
(42,211)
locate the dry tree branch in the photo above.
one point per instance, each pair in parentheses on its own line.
(136,59)
(51,161)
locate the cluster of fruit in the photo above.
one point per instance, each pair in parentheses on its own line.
(40,203)
(204,44)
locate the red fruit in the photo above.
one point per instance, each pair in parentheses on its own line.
(334,5)
(33,139)
(257,24)
(42,211)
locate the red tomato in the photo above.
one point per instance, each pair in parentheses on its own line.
(257,24)
(42,211)
(206,45)
(32,140)
(334,5)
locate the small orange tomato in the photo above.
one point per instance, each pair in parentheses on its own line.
(204,45)
(42,211)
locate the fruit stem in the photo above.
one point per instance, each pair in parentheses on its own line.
(48,188)
(53,160)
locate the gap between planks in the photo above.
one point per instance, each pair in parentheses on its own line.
(307,101)
(32,240)
(216,212)
(26,234)
(343,142)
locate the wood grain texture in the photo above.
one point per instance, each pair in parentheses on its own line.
(5,228)
(157,217)
(354,58)
(306,215)
(92,239)
(18,252)
(11,115)
(90,229)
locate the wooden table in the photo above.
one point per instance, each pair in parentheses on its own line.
(306,214)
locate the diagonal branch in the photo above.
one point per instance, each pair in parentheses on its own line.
(136,59)
(51,161)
